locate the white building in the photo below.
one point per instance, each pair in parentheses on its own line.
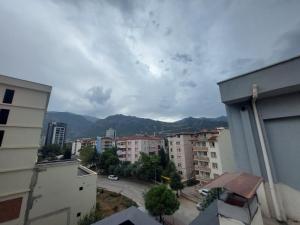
(129,148)
(111,133)
(213,154)
(181,153)
(32,193)
(56,133)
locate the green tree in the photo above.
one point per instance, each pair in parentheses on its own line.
(163,158)
(108,160)
(160,201)
(176,183)
(88,155)
(170,169)
(51,151)
(148,167)
(90,218)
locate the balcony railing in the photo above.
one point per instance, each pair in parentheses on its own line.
(200,148)
(201,158)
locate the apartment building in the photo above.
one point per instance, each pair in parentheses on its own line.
(263,109)
(82,143)
(181,153)
(213,154)
(129,148)
(111,133)
(56,133)
(32,193)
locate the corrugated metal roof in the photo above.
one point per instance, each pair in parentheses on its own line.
(243,184)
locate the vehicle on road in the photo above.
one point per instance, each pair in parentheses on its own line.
(200,206)
(113,177)
(203,192)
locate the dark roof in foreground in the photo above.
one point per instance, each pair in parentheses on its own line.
(208,217)
(131,215)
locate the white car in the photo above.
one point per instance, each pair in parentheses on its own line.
(113,177)
(199,206)
(203,192)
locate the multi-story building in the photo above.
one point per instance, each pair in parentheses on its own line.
(111,133)
(129,148)
(181,153)
(31,193)
(263,109)
(100,143)
(56,133)
(213,154)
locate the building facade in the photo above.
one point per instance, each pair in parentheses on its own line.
(213,154)
(263,111)
(111,133)
(32,193)
(56,134)
(129,148)
(181,153)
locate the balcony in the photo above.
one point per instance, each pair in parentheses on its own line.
(201,158)
(200,148)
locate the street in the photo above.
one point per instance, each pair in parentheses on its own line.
(134,190)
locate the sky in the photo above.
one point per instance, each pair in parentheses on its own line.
(158,59)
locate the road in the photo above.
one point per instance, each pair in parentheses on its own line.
(135,189)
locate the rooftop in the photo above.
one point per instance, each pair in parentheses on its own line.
(130,216)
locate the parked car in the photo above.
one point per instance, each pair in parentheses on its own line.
(113,177)
(203,192)
(199,206)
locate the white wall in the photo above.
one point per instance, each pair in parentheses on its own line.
(57,191)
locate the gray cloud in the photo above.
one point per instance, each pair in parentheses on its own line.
(185,58)
(109,57)
(98,95)
(188,83)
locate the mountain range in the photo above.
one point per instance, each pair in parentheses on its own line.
(88,126)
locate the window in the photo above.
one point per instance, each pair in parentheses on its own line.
(171,143)
(171,149)
(178,149)
(213,155)
(180,172)
(215,165)
(179,164)
(78,214)
(212,144)
(3,116)
(1,136)
(8,96)
(197,172)
(203,143)
(80,188)
(172,156)
(178,143)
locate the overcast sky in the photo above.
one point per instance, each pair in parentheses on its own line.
(158,59)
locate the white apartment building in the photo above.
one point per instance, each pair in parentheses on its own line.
(181,153)
(81,143)
(213,154)
(111,133)
(129,148)
(32,193)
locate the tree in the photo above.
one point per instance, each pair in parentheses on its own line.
(160,201)
(108,160)
(170,169)
(163,158)
(148,167)
(51,151)
(88,155)
(176,183)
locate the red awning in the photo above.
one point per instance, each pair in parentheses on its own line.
(243,184)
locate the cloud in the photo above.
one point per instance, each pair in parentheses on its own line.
(188,83)
(185,58)
(150,59)
(98,95)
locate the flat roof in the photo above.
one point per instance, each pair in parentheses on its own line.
(262,68)
(132,215)
(12,81)
(278,79)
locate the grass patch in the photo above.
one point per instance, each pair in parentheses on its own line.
(109,203)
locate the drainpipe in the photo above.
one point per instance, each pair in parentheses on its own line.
(265,155)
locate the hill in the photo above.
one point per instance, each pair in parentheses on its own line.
(85,126)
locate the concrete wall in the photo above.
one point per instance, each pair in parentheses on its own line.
(57,197)
(18,152)
(279,111)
